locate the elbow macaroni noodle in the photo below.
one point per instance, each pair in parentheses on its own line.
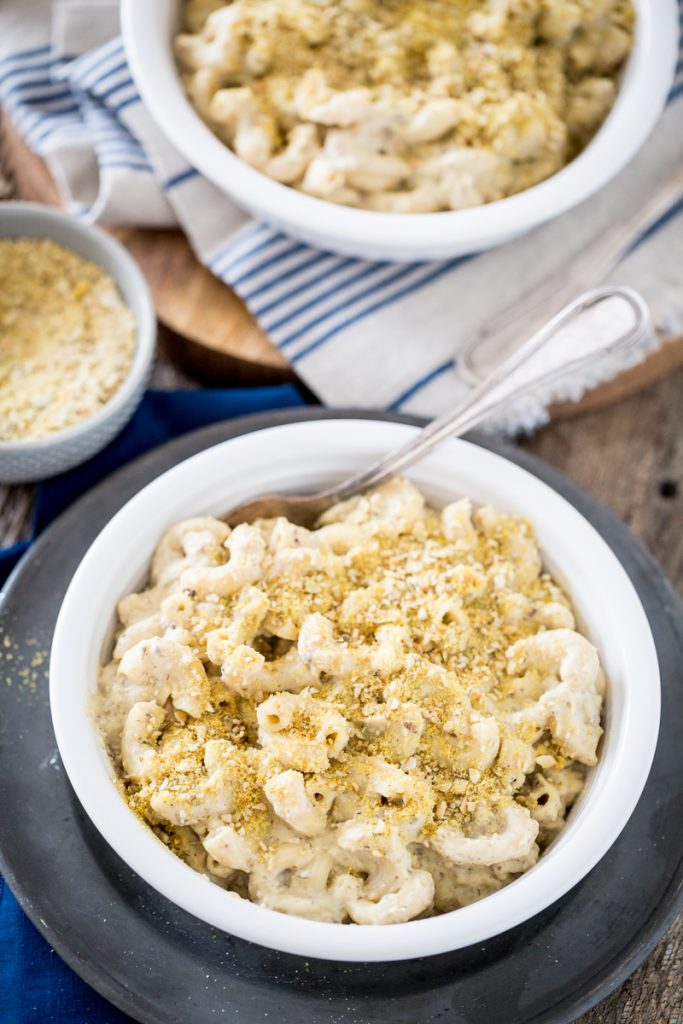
(383,718)
(406,106)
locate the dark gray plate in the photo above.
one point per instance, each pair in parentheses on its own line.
(161,965)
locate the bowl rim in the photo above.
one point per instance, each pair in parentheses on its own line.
(145,318)
(89,772)
(640,99)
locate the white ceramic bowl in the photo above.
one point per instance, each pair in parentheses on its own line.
(305,455)
(148,29)
(21,461)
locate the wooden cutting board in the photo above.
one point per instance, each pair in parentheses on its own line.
(207,330)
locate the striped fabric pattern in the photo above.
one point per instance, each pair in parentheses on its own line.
(39,104)
(370,334)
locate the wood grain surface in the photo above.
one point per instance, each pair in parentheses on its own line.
(630,456)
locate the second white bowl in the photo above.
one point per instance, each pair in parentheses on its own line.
(148,29)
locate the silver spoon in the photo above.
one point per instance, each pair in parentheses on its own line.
(588,268)
(502,387)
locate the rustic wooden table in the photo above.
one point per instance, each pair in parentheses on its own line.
(630,456)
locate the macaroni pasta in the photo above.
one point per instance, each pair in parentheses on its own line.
(405,106)
(383,718)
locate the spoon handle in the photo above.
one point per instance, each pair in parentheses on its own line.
(591,266)
(507,383)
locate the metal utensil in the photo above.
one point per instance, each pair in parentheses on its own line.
(592,264)
(541,365)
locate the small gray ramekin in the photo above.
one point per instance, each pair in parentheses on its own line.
(23,461)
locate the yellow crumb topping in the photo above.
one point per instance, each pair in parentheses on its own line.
(450,598)
(67,338)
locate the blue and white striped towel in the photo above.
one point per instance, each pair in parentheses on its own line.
(368,334)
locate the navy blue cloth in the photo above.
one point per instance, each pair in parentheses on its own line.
(36,986)
(160,416)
